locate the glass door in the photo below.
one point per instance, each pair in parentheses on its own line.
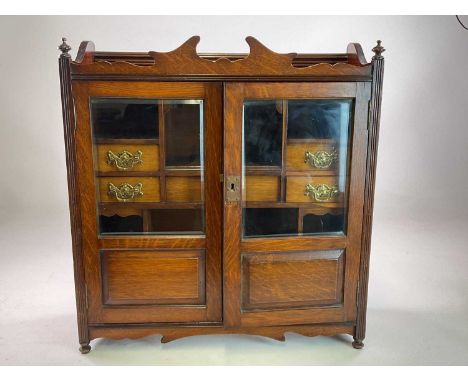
(149,160)
(149,166)
(295,248)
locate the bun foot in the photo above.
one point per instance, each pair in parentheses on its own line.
(85,349)
(358,344)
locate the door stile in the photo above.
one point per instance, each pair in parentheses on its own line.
(232,209)
(356,196)
(213,198)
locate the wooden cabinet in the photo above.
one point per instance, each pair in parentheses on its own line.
(220,193)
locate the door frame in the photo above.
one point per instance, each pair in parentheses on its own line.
(235,246)
(93,245)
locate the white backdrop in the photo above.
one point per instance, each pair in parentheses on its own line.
(419,263)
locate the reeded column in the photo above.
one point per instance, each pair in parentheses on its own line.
(373,138)
(74,202)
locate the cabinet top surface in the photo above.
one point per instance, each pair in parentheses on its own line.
(184,63)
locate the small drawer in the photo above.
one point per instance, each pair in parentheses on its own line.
(262,188)
(131,157)
(313,189)
(183,189)
(129,189)
(314,155)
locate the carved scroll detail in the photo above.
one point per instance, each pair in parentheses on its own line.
(185,61)
(261,60)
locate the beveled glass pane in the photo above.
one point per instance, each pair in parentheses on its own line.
(303,190)
(124,118)
(262,129)
(144,184)
(182,121)
(318,119)
(270,221)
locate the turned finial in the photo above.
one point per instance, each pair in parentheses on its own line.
(378,50)
(64,48)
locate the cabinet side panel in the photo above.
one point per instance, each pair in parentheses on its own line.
(373,126)
(73,195)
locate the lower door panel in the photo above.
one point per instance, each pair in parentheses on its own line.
(292,280)
(153,277)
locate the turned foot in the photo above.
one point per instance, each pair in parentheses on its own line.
(358,344)
(85,348)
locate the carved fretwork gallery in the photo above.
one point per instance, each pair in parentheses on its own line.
(220,193)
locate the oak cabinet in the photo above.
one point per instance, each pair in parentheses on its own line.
(220,193)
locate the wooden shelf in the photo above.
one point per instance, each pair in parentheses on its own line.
(308,206)
(128,173)
(152,205)
(311,140)
(182,171)
(126,141)
(262,170)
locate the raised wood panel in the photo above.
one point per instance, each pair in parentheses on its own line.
(296,186)
(153,277)
(183,189)
(288,280)
(295,155)
(149,157)
(150,188)
(262,188)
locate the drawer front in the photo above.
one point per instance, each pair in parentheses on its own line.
(129,189)
(131,157)
(318,155)
(183,189)
(313,189)
(262,188)
(153,277)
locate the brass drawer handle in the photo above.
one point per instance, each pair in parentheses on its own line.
(124,160)
(321,192)
(321,159)
(125,191)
